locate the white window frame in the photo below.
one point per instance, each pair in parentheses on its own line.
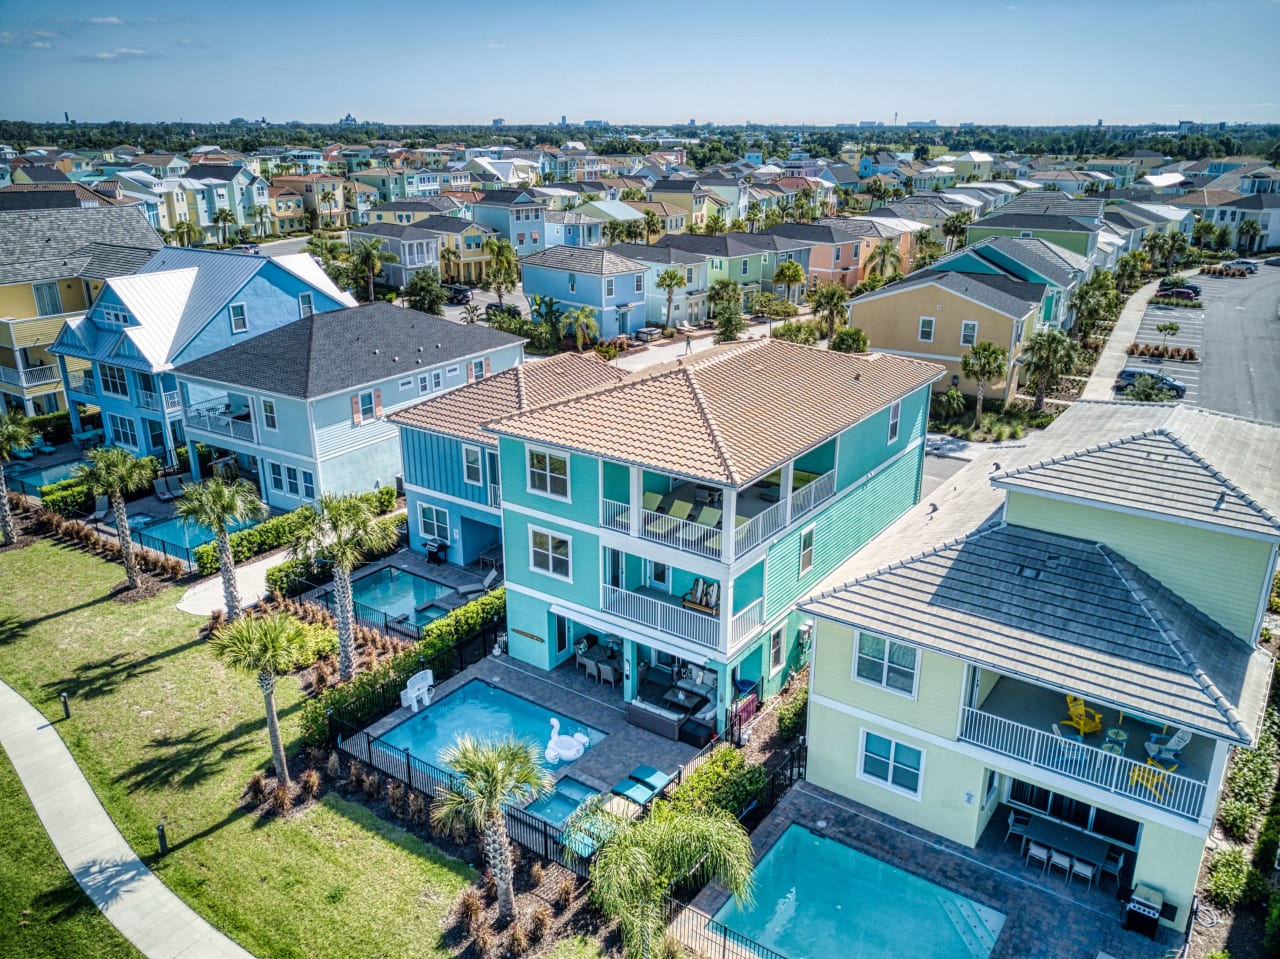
(608,286)
(779,636)
(532,451)
(965,326)
(746,266)
(430,382)
(467,452)
(373,406)
(123,430)
(888,782)
(477,369)
(292,482)
(277,476)
(436,513)
(306,305)
(243,326)
(308,484)
(933,326)
(550,553)
(885,664)
(269,418)
(895,420)
(639,282)
(806,554)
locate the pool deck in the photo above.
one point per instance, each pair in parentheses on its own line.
(604,763)
(1045,918)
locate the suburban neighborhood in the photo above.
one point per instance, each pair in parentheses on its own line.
(621,540)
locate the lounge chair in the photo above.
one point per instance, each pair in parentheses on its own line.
(23,454)
(634,791)
(101,507)
(41,446)
(1070,749)
(652,501)
(654,778)
(699,532)
(475,589)
(1167,749)
(665,525)
(163,492)
(1082,718)
(1153,778)
(174,484)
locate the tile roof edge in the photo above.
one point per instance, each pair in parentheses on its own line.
(1222,478)
(713,428)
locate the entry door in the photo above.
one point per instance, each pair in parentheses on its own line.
(491,461)
(614,573)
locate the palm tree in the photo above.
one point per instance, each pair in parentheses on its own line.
(502,279)
(635,231)
(327,200)
(1176,247)
(491,774)
(470,313)
(670,280)
(222,219)
(1247,233)
(344,532)
(846,196)
(955,227)
(1049,355)
(715,225)
(983,363)
(785,206)
(614,232)
(217,504)
(367,257)
(1202,232)
(1157,246)
(652,225)
(189,232)
(754,215)
(1128,272)
(584,325)
(632,194)
(877,191)
(327,249)
(268,646)
(15,434)
(639,861)
(1222,237)
(260,214)
(450,261)
(115,472)
(547,311)
(829,301)
(925,249)
(885,258)
(789,273)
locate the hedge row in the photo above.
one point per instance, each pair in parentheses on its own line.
(724,780)
(56,427)
(278,531)
(438,637)
(70,497)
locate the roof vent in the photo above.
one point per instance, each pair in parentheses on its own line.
(419,349)
(376,351)
(1222,498)
(1028,572)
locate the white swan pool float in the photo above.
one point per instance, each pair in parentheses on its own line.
(565,748)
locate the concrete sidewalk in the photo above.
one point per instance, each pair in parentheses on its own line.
(129,894)
(205,598)
(1112,360)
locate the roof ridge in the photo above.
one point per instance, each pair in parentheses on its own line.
(520,389)
(1086,451)
(1209,687)
(1220,476)
(712,427)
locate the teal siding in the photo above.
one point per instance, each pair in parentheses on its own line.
(584,558)
(863,447)
(434,462)
(527,618)
(583,505)
(748,587)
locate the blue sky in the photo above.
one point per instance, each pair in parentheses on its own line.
(1021,61)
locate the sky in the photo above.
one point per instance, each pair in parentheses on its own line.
(652,62)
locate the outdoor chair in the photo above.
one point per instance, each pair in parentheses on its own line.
(418,691)
(1018,823)
(652,501)
(1111,866)
(1083,870)
(1069,749)
(101,507)
(161,486)
(41,446)
(23,454)
(1153,778)
(174,484)
(1060,860)
(664,525)
(1082,718)
(607,674)
(593,669)
(475,589)
(1167,749)
(1040,854)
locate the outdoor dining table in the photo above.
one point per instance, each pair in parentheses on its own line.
(1063,838)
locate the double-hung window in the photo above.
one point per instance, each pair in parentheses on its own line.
(308,485)
(114,380)
(471,465)
(269,414)
(926,329)
(639,282)
(968,333)
(477,369)
(306,305)
(366,405)
(239,318)
(430,382)
(884,662)
(776,649)
(898,766)
(122,431)
(746,266)
(550,553)
(608,286)
(895,421)
(549,474)
(433,522)
(806,550)
(291,479)
(277,477)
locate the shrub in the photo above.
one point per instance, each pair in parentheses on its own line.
(256,789)
(482,940)
(68,497)
(1271,932)
(281,800)
(565,892)
(849,340)
(1227,877)
(291,576)
(725,780)
(419,809)
(535,874)
(793,713)
(310,783)
(519,941)
(540,922)
(334,766)
(470,906)
(1252,777)
(806,334)
(1237,818)
(373,786)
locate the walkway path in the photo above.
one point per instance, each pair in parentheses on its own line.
(128,893)
(1112,360)
(205,598)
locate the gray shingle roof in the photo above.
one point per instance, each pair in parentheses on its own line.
(107,260)
(1047,259)
(656,254)
(583,260)
(1004,294)
(345,349)
(35,243)
(1056,202)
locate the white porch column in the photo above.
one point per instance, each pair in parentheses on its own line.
(726,613)
(729,527)
(784,491)
(636,494)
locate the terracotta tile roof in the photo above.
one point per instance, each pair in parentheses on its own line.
(464,411)
(729,415)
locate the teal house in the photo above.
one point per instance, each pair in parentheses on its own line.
(657,533)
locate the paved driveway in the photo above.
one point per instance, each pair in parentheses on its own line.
(1240,373)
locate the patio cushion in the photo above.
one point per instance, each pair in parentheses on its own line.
(654,778)
(637,792)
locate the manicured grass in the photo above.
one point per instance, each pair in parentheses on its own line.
(579,947)
(44,914)
(165,734)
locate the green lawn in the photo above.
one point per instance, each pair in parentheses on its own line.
(44,914)
(579,947)
(165,734)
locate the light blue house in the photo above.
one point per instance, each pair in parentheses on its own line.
(612,285)
(569,228)
(517,215)
(677,517)
(689,302)
(304,409)
(183,304)
(452,480)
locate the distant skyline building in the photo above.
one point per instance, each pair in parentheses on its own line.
(499,121)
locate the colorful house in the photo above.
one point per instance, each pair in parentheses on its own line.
(676,517)
(414,247)
(516,215)
(573,228)
(688,302)
(322,195)
(611,285)
(943,679)
(749,259)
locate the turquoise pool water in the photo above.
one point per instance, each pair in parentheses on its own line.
(817,898)
(29,479)
(484,711)
(557,807)
(399,593)
(179,537)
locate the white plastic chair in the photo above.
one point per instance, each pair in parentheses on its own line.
(1060,860)
(1040,854)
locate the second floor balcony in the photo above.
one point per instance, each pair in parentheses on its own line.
(82,383)
(29,376)
(169,401)
(706,627)
(222,417)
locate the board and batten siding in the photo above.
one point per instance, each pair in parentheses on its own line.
(1222,575)
(434,462)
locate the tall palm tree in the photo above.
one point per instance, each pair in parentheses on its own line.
(1202,232)
(789,273)
(632,194)
(327,249)
(343,531)
(491,775)
(639,861)
(755,214)
(327,200)
(584,325)
(1128,272)
(217,504)
(222,219)
(547,311)
(366,258)
(635,231)
(955,227)
(500,252)
(983,363)
(187,233)
(115,472)
(15,434)
(670,280)
(925,249)
(652,225)
(1049,355)
(1157,246)
(1176,247)
(715,225)
(268,646)
(260,214)
(450,262)
(1247,233)
(785,206)
(614,232)
(829,301)
(885,258)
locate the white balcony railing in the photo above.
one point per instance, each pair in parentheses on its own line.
(812,494)
(761,526)
(212,420)
(31,376)
(495,495)
(669,617)
(660,528)
(1116,774)
(746,622)
(82,383)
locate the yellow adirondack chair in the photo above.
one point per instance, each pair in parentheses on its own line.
(1153,778)
(1082,718)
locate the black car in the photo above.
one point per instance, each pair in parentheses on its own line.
(1166,287)
(458,294)
(1127,377)
(493,309)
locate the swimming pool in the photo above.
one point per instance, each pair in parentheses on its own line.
(398,592)
(28,479)
(483,711)
(816,898)
(173,536)
(558,806)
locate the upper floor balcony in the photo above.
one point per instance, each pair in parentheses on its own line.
(1017,719)
(170,401)
(223,416)
(29,376)
(82,383)
(710,628)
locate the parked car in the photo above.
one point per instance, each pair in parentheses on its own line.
(1249,266)
(458,294)
(1168,284)
(493,309)
(247,248)
(1181,293)
(1127,377)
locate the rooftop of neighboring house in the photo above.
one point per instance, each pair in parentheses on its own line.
(988,593)
(215,171)
(690,185)
(844,174)
(729,415)
(914,207)
(507,198)
(657,254)
(428,204)
(1001,220)
(304,177)
(1257,201)
(1057,265)
(399,231)
(464,412)
(615,210)
(1084,208)
(829,231)
(571,218)
(275,191)
(48,196)
(1232,178)
(439,223)
(585,260)
(877,227)
(38,245)
(659,207)
(462,196)
(44,174)
(157,159)
(1140,155)
(341,350)
(1008,295)
(730,244)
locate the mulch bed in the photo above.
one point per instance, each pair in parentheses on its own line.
(148,588)
(767,745)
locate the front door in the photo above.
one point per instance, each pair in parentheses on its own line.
(491,462)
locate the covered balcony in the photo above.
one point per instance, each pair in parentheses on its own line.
(227,415)
(1017,719)
(82,383)
(29,376)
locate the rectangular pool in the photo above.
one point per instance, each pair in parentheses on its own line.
(558,806)
(398,593)
(28,479)
(485,711)
(816,898)
(174,537)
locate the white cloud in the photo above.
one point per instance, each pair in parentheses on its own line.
(40,45)
(118,55)
(106,21)
(495,46)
